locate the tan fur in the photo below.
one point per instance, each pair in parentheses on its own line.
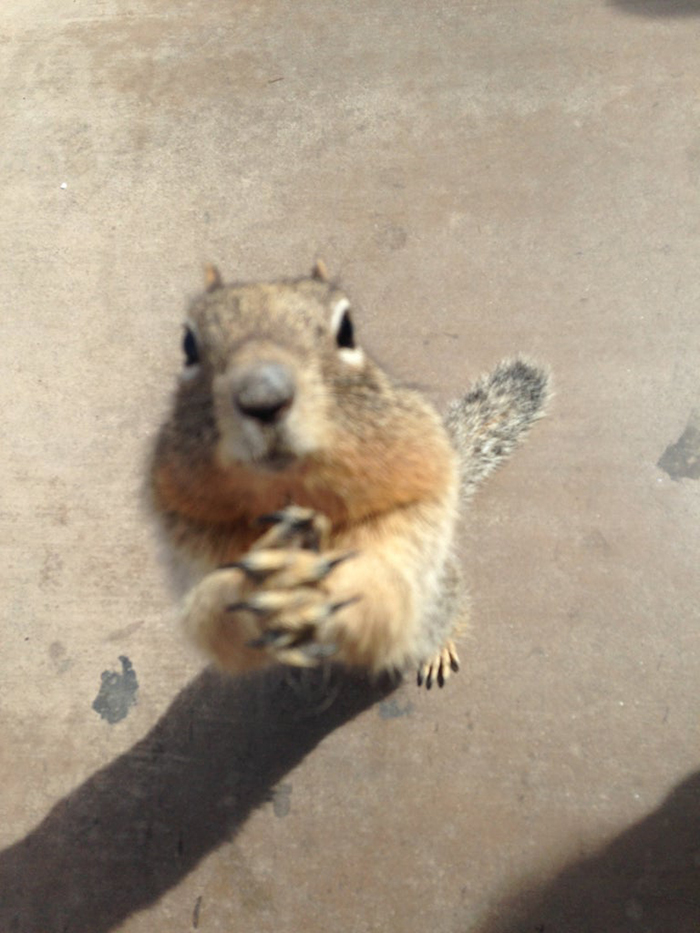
(212,278)
(278,407)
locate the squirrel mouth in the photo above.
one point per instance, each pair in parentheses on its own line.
(257,452)
(274,455)
(266,448)
(274,461)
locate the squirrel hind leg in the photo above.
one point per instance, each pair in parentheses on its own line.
(487,424)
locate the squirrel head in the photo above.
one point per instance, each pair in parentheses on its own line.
(266,368)
(276,403)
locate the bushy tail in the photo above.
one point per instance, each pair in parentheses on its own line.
(489,422)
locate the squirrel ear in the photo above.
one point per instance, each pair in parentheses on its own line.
(212,278)
(319,271)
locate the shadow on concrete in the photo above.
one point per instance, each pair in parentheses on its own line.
(134,829)
(646,881)
(658,8)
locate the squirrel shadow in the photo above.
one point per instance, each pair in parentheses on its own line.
(135,828)
(647,880)
(658,8)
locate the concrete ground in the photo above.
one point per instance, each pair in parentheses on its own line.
(485,178)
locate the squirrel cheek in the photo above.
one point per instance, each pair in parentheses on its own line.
(301,434)
(308,424)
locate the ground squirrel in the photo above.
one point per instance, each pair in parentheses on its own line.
(308,503)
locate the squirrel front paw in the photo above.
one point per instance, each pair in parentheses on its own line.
(285,591)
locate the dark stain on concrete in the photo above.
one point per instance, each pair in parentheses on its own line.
(391,237)
(196,913)
(51,568)
(682,459)
(117,693)
(658,8)
(282,800)
(390,709)
(57,653)
(119,634)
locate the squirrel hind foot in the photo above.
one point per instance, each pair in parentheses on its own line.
(438,668)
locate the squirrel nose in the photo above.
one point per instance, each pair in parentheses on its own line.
(264,392)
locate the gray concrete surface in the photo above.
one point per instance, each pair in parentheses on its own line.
(486,178)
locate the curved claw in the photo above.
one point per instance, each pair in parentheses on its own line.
(296,611)
(269,602)
(274,637)
(293,568)
(309,528)
(438,669)
(259,564)
(294,515)
(298,632)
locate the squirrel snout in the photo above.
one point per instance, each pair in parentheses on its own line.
(264,391)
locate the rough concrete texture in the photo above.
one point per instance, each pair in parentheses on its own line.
(486,178)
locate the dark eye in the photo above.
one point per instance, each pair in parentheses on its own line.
(190,348)
(345,335)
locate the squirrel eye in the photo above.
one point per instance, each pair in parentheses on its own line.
(345,335)
(190,348)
